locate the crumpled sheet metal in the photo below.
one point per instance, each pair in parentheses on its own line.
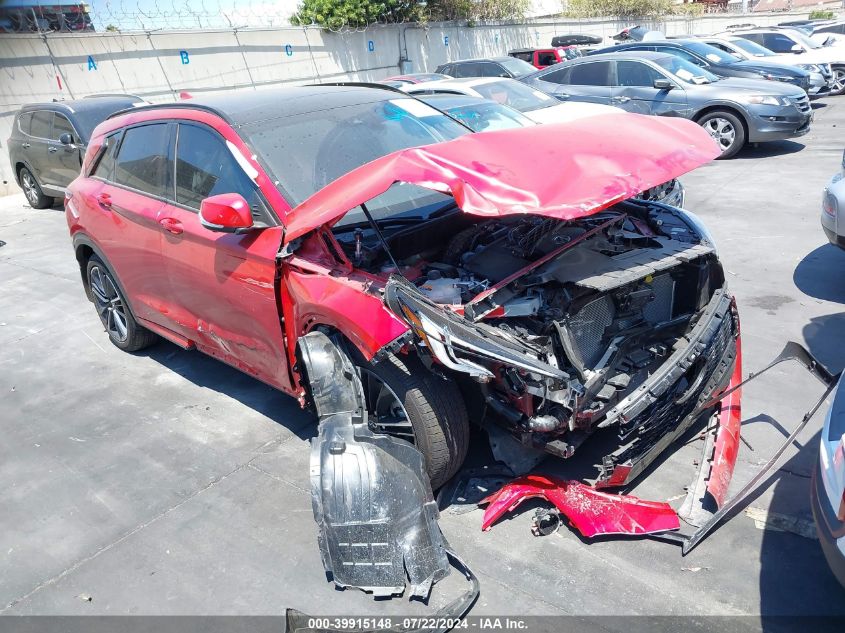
(590,511)
(596,161)
(371,497)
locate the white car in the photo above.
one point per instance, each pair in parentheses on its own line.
(833,208)
(821,74)
(798,43)
(827,493)
(536,105)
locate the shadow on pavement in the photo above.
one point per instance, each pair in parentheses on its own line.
(794,577)
(204,371)
(772,148)
(820,273)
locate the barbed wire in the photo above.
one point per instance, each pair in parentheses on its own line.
(154,15)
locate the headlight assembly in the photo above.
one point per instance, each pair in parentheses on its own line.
(764,100)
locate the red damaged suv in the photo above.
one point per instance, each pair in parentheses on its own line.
(508,278)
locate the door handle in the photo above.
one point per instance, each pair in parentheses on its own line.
(621,99)
(171,225)
(52,149)
(25,145)
(104,200)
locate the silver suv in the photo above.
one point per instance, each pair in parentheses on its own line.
(733,110)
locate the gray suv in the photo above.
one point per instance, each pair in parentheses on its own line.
(733,110)
(48,142)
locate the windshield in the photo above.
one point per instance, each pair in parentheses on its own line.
(686,71)
(711,53)
(516,67)
(307,151)
(514,94)
(752,48)
(488,117)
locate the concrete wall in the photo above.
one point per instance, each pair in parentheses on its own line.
(160,64)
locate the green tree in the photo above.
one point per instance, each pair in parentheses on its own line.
(336,14)
(620,8)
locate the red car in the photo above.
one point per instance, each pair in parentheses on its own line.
(544,57)
(463,282)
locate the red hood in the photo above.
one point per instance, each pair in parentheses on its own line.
(563,170)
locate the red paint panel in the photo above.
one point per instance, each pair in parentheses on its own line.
(590,511)
(600,161)
(727,437)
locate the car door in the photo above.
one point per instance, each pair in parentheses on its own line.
(222,285)
(40,128)
(587,81)
(128,205)
(64,161)
(634,91)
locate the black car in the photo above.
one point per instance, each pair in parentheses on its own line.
(48,142)
(717,61)
(487,67)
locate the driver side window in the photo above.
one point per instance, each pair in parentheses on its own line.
(778,42)
(633,74)
(205,167)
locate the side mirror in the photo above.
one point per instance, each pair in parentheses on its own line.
(66,139)
(797,49)
(226,213)
(663,84)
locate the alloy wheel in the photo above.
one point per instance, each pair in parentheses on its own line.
(386,412)
(838,79)
(30,189)
(110,305)
(722,131)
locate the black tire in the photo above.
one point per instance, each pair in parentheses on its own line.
(713,122)
(32,190)
(435,409)
(121,326)
(839,80)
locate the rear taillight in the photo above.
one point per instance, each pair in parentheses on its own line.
(829,204)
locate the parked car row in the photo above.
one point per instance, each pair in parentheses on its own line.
(747,85)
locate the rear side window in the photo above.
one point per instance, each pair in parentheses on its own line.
(593,74)
(778,42)
(143,162)
(524,56)
(42,121)
(469,69)
(754,37)
(205,167)
(61,126)
(105,166)
(24,122)
(546,59)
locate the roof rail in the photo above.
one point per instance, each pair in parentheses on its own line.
(184,105)
(360,84)
(112,94)
(744,25)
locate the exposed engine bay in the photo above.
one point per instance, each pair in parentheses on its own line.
(617,319)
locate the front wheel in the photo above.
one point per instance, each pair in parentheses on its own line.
(114,313)
(407,401)
(838,80)
(726,129)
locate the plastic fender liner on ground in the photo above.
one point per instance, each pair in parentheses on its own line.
(590,511)
(370,495)
(446,618)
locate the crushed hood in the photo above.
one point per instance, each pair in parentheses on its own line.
(564,170)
